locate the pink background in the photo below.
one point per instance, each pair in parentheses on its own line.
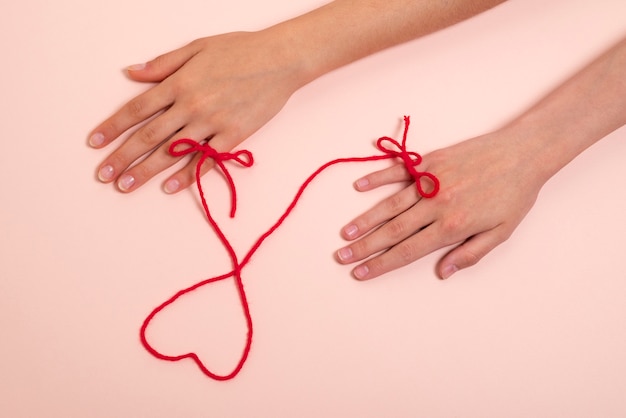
(538,329)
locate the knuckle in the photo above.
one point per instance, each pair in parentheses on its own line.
(111,128)
(360,249)
(469,258)
(399,172)
(449,195)
(159,62)
(446,196)
(118,160)
(394,204)
(135,108)
(176,89)
(396,229)
(198,105)
(148,135)
(453,224)
(365,222)
(377,266)
(142,172)
(406,252)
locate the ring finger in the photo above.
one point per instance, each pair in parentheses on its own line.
(157,161)
(389,234)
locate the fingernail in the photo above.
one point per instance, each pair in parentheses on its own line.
(96,139)
(126,182)
(345,254)
(106,173)
(351,231)
(449,271)
(171,186)
(136,67)
(361,272)
(361,183)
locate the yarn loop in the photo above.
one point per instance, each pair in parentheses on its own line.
(243,157)
(410,160)
(183,147)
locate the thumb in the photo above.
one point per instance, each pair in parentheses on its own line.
(162,66)
(469,252)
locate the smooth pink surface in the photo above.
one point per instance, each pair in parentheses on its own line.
(537,329)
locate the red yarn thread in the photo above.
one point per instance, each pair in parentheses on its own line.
(244,157)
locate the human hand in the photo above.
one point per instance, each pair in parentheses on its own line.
(488,185)
(221,88)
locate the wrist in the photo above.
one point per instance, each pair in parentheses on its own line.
(285,47)
(575,115)
(311,45)
(344,31)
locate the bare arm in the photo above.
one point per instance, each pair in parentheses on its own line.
(256,74)
(346,30)
(579,113)
(479,212)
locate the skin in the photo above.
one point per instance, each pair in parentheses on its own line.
(256,75)
(488,183)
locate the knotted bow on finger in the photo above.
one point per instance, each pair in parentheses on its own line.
(410,160)
(184,147)
(243,157)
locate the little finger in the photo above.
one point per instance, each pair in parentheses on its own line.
(396,231)
(470,252)
(403,253)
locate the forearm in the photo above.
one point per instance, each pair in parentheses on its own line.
(577,114)
(344,31)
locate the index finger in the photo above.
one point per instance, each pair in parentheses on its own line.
(135,111)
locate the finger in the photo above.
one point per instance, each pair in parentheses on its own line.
(186,176)
(388,235)
(380,213)
(469,252)
(147,104)
(139,144)
(164,65)
(405,252)
(135,111)
(393,174)
(157,161)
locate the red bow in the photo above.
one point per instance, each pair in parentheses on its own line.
(219,158)
(411,160)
